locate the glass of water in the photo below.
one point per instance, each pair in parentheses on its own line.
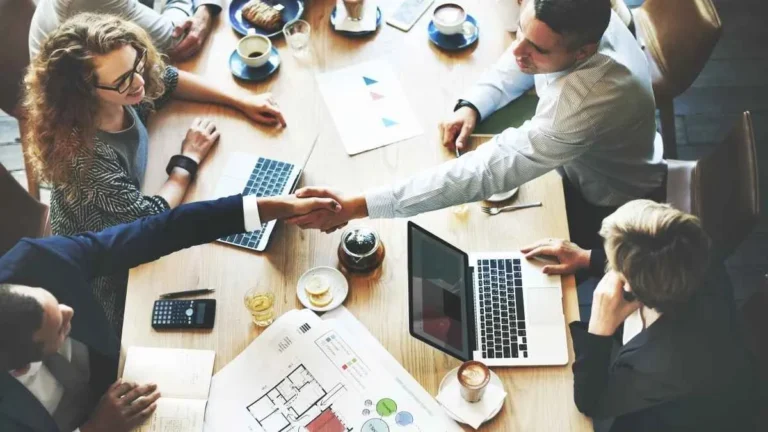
(261,304)
(297,34)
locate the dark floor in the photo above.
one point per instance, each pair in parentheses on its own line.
(734,80)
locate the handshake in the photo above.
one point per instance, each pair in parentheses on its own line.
(323,209)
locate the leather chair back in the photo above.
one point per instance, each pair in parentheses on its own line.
(22,215)
(15,18)
(722,189)
(679,36)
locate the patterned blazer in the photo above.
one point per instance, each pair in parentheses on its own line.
(102,194)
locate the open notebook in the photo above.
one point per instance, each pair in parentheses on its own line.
(514,114)
(183,377)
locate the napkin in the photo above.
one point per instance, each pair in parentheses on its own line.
(474,414)
(368,23)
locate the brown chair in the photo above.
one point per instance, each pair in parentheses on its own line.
(722,189)
(22,215)
(756,322)
(15,18)
(678,37)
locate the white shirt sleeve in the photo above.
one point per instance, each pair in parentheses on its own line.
(507,161)
(218,5)
(251,213)
(499,85)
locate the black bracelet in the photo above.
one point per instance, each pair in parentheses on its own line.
(183,162)
(465,103)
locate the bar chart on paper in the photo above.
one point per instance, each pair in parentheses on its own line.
(368,106)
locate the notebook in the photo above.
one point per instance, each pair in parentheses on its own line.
(183,377)
(514,115)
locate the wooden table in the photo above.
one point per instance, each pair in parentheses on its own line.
(539,398)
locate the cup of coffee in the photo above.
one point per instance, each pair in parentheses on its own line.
(474,377)
(449,18)
(254,50)
(354,9)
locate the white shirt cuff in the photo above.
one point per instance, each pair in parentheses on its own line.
(251,216)
(381,203)
(482,100)
(217,4)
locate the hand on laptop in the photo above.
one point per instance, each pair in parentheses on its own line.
(455,131)
(570,256)
(123,407)
(353,207)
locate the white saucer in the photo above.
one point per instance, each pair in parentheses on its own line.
(453,376)
(339,288)
(499,197)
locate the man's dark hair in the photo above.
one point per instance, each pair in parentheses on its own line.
(580,21)
(20,317)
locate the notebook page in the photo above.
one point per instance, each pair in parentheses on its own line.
(178,373)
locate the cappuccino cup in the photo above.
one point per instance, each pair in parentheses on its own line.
(473,377)
(449,18)
(254,50)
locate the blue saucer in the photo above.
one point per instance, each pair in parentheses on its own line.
(352,33)
(245,72)
(293,10)
(456,41)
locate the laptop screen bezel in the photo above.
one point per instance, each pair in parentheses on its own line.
(469,294)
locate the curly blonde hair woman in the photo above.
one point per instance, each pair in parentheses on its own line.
(89,93)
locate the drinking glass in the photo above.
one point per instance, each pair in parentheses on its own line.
(297,34)
(260,303)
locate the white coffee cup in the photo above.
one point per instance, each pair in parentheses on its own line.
(254,44)
(449,18)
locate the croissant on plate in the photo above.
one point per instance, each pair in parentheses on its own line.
(263,15)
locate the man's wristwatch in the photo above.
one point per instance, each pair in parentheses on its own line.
(464,103)
(183,162)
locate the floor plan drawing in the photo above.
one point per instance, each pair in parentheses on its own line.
(298,403)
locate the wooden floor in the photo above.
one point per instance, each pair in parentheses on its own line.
(734,80)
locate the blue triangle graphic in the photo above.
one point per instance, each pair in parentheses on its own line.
(369,81)
(388,122)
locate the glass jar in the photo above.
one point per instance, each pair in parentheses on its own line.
(360,250)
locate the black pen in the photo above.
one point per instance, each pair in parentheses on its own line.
(185,293)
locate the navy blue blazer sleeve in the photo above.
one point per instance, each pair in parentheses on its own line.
(144,240)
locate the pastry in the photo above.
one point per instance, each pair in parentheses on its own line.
(263,15)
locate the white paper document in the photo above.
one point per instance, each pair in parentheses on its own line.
(368,106)
(310,375)
(183,377)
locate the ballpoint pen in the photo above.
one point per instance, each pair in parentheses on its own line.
(185,293)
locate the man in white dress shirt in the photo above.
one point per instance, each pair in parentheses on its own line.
(595,124)
(179,31)
(60,365)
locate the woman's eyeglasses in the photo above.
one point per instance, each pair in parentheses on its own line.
(126,80)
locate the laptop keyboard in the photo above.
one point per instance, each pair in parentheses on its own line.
(267,179)
(502,312)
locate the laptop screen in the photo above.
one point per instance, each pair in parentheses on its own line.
(438,300)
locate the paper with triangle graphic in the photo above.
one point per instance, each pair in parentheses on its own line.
(368,106)
(388,122)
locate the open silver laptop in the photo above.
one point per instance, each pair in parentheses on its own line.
(498,308)
(255,175)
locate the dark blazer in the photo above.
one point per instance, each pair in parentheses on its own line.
(688,371)
(65,265)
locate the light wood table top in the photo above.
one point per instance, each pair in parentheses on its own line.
(538,398)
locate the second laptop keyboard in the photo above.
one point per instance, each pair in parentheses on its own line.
(502,309)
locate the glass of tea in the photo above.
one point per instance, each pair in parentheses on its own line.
(260,302)
(360,250)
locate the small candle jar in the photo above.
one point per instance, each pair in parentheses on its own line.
(360,250)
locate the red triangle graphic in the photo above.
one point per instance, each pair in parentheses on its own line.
(376,96)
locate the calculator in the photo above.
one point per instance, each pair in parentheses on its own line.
(183,314)
(408,13)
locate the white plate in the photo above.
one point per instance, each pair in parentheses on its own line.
(339,288)
(453,376)
(499,197)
